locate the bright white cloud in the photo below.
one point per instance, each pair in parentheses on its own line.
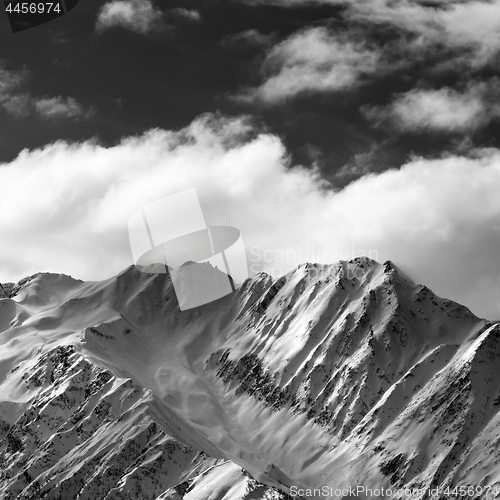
(460,35)
(460,24)
(140,16)
(466,24)
(444,109)
(474,24)
(313,60)
(439,220)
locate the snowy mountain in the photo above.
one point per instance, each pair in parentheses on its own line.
(337,378)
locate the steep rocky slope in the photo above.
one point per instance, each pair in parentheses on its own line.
(330,377)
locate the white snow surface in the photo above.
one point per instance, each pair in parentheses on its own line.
(331,376)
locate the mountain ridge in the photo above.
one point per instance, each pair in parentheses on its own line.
(297,379)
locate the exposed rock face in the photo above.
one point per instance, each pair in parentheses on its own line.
(87,434)
(329,377)
(11,289)
(5,290)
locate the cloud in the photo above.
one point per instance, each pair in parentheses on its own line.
(439,220)
(247,38)
(442,110)
(60,107)
(473,24)
(18,105)
(312,60)
(186,14)
(58,37)
(362,163)
(22,104)
(140,16)
(11,100)
(379,38)
(9,80)
(459,24)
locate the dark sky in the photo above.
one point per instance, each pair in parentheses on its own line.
(133,81)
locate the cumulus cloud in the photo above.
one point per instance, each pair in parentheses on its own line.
(140,16)
(22,104)
(445,109)
(457,36)
(461,24)
(473,24)
(312,60)
(437,219)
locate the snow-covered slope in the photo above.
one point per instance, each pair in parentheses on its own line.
(338,376)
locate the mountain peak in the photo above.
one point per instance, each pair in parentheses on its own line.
(327,375)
